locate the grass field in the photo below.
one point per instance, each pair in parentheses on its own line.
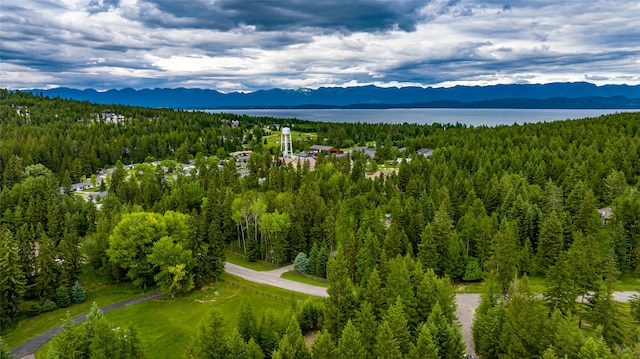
(274,139)
(166,327)
(297,277)
(241,260)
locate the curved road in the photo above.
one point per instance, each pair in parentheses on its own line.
(30,347)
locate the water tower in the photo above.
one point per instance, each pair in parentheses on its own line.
(285,143)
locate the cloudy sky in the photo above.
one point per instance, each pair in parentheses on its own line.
(246,45)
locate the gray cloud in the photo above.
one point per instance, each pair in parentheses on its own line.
(267,15)
(255,44)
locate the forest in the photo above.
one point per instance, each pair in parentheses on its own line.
(558,201)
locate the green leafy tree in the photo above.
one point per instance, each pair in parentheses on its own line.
(472,271)
(63,298)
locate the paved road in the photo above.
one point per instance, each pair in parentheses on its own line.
(272,278)
(30,347)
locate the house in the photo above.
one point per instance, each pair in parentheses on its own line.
(81,186)
(606,214)
(369,152)
(426,152)
(299,161)
(315,149)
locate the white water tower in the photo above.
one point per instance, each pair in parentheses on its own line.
(286,145)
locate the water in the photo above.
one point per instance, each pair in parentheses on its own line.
(426,116)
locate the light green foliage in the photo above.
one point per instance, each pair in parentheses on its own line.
(595,349)
(425,347)
(5,353)
(210,340)
(472,271)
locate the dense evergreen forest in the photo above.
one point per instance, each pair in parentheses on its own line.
(495,204)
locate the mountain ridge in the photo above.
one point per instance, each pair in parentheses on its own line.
(552,95)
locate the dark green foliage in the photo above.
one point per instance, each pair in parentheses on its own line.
(63,297)
(472,271)
(350,345)
(247,325)
(12,278)
(387,346)
(323,347)
(48,306)
(341,302)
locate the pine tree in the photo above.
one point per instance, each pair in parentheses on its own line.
(524,323)
(446,333)
(209,341)
(12,279)
(397,321)
(247,325)
(425,346)
(236,345)
(398,285)
(323,347)
(253,350)
(340,304)
(387,347)
(77,293)
(595,349)
(367,326)
(350,344)
(550,241)
(375,294)
(504,254)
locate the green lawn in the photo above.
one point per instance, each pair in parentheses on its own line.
(241,260)
(297,277)
(274,138)
(166,327)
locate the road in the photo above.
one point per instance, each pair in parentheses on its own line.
(29,348)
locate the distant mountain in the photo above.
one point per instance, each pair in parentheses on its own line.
(553,95)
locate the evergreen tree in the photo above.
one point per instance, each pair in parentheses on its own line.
(399,325)
(374,294)
(399,285)
(253,350)
(366,324)
(387,347)
(12,279)
(340,304)
(323,347)
(247,325)
(524,324)
(550,241)
(504,254)
(5,352)
(425,346)
(301,263)
(446,333)
(236,345)
(210,341)
(595,349)
(62,297)
(350,344)
(77,293)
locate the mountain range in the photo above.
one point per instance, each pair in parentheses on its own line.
(570,95)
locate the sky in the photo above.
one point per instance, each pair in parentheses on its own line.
(248,45)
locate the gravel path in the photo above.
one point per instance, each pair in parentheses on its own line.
(29,348)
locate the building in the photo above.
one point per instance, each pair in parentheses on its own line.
(316,149)
(426,152)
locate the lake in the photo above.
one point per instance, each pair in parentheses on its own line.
(425,116)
